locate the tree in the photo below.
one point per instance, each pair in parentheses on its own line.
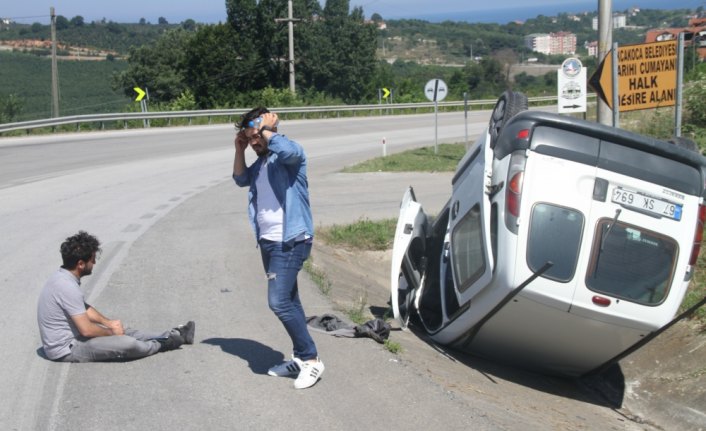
(336,9)
(77,21)
(61,22)
(214,69)
(158,67)
(10,108)
(340,58)
(114,27)
(162,21)
(189,25)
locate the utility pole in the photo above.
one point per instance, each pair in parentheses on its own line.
(54,73)
(605,42)
(290,23)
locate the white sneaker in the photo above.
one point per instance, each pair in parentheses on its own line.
(310,374)
(286,369)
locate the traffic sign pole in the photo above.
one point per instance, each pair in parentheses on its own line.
(436,127)
(680,83)
(614,85)
(435,90)
(465,116)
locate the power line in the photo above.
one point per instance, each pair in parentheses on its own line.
(15,18)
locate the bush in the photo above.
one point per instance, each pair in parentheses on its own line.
(695,100)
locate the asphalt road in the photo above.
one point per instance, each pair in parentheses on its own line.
(177,247)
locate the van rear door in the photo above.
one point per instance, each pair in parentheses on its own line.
(639,245)
(556,200)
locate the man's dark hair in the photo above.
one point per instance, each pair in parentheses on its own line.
(81,246)
(246,118)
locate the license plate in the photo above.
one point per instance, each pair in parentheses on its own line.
(646,204)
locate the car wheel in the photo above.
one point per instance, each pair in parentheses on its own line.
(509,104)
(684,143)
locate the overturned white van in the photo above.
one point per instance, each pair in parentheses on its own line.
(564,242)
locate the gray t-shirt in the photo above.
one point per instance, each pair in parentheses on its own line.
(60,299)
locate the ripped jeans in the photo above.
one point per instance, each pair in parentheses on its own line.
(282,263)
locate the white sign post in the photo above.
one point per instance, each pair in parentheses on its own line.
(436,91)
(571,86)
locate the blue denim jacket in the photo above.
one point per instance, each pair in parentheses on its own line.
(286,170)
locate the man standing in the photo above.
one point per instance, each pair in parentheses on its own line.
(73,331)
(280,214)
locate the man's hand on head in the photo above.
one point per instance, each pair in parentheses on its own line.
(241,141)
(269,122)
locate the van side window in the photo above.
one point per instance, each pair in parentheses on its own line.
(634,264)
(468,249)
(554,235)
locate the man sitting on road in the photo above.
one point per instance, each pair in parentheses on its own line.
(73,331)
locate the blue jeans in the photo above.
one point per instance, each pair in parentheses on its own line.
(282,263)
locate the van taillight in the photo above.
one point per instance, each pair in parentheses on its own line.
(523,134)
(513,190)
(514,194)
(698,236)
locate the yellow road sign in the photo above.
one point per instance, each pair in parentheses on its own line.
(647,76)
(385,93)
(140,93)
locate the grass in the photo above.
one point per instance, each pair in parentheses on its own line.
(357,314)
(393,346)
(418,160)
(364,234)
(318,276)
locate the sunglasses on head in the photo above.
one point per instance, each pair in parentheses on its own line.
(254,123)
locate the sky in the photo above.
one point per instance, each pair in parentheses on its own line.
(213,11)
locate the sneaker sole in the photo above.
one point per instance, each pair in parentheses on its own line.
(291,372)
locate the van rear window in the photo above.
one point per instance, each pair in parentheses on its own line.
(631,263)
(555,236)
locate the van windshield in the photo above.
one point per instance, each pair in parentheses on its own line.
(631,263)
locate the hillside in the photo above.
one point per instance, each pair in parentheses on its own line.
(101,36)
(456,43)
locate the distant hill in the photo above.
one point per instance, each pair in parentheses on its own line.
(457,42)
(496,15)
(106,36)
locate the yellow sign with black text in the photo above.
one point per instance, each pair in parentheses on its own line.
(647,76)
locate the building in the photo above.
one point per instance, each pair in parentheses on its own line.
(552,43)
(694,35)
(619,21)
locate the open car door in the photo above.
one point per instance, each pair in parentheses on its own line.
(408,257)
(469,224)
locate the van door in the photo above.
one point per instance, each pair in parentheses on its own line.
(408,257)
(469,224)
(639,247)
(556,202)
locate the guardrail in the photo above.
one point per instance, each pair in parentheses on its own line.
(379,109)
